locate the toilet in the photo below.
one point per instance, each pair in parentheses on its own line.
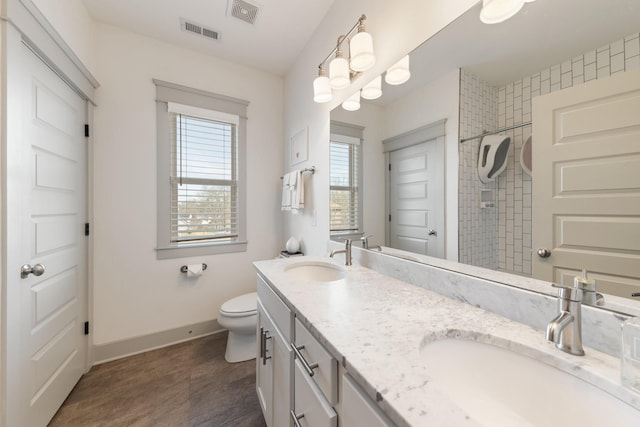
(239,316)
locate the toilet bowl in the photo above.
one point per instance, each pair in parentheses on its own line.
(239,316)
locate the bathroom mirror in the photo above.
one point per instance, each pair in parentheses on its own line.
(546,47)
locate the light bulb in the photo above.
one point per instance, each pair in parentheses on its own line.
(495,11)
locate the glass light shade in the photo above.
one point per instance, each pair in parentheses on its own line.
(529,1)
(361,49)
(495,11)
(373,89)
(339,73)
(352,103)
(322,89)
(399,72)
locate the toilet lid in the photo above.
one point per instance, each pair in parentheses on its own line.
(244,304)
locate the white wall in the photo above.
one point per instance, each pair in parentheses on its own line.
(397,28)
(73,22)
(135,294)
(436,101)
(369,116)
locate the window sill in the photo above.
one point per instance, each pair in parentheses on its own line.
(184,251)
(353,235)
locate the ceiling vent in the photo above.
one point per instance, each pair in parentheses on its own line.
(245,11)
(192,27)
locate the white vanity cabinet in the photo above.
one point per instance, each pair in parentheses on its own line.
(274,359)
(358,409)
(298,381)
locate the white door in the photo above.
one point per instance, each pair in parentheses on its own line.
(46,211)
(586,186)
(416,198)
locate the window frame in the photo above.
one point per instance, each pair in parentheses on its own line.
(349,133)
(185,96)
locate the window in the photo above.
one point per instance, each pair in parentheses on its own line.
(200,172)
(345,181)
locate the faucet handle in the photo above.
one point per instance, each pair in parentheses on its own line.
(365,240)
(567,293)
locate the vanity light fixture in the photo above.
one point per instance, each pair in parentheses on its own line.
(495,11)
(352,103)
(339,76)
(321,87)
(342,70)
(373,89)
(399,72)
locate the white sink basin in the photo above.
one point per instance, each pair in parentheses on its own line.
(316,271)
(499,387)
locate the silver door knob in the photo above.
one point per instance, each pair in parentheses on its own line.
(36,270)
(544,253)
(432,232)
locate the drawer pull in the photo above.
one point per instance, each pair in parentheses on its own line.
(263,346)
(296,418)
(307,367)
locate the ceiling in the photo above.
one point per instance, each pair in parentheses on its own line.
(280,32)
(544,33)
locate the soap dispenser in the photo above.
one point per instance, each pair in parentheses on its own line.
(588,286)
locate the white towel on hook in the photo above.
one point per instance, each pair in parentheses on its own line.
(286,192)
(297,192)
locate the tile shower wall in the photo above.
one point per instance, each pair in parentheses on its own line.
(513,186)
(477,228)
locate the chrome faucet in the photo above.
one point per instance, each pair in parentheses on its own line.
(365,243)
(346,251)
(565,330)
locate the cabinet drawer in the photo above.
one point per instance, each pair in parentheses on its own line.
(278,310)
(322,364)
(311,408)
(358,410)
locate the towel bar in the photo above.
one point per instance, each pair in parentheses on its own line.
(312,170)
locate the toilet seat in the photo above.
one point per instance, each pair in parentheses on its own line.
(241,306)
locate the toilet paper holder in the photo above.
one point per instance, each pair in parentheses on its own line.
(184,268)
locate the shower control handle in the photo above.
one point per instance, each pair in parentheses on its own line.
(544,253)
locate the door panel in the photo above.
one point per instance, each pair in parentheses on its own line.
(416,198)
(586,192)
(45,326)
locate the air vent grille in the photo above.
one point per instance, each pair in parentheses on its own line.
(198,29)
(245,11)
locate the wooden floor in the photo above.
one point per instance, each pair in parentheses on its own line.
(187,384)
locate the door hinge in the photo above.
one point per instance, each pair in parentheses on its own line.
(389,167)
(86,328)
(86,131)
(86,228)
(389,218)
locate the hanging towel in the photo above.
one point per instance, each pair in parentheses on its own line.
(286,192)
(297,192)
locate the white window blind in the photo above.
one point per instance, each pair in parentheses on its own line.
(344,190)
(203,179)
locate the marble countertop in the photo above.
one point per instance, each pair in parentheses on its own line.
(376,327)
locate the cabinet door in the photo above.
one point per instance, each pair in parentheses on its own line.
(264,365)
(311,408)
(358,410)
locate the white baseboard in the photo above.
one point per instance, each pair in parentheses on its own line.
(118,349)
